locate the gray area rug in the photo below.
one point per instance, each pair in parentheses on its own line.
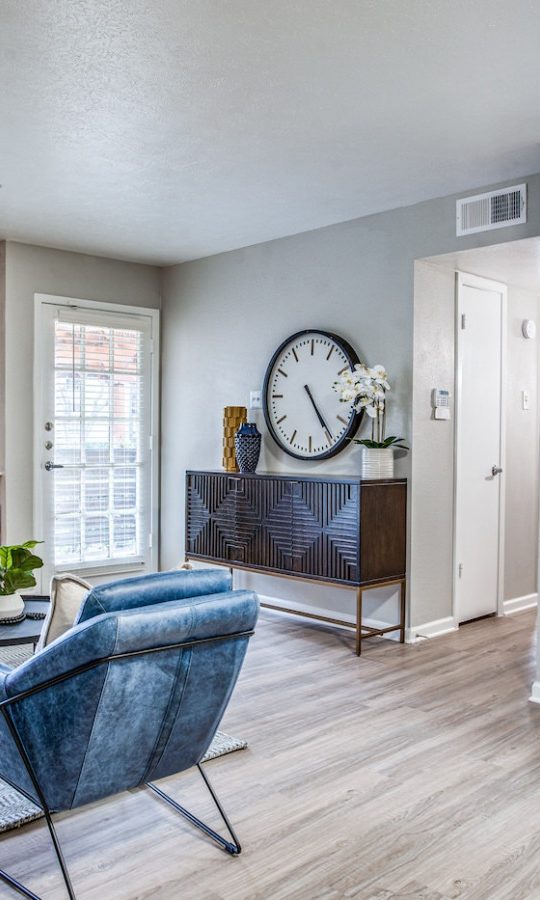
(16,810)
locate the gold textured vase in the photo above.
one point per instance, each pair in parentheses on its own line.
(233,417)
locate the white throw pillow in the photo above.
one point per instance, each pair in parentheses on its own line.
(67,594)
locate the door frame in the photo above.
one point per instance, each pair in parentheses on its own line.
(464,279)
(111,307)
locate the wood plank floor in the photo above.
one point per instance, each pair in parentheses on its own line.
(413,772)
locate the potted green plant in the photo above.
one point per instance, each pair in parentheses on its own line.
(17,564)
(367,388)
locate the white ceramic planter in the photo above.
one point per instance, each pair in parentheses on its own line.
(11,606)
(377,462)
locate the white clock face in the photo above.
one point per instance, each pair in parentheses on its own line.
(303,411)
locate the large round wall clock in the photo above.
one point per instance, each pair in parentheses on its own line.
(302,410)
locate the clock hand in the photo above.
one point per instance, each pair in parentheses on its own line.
(315,407)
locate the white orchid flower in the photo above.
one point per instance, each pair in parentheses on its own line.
(362,370)
(380,376)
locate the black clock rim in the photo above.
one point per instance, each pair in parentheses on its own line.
(352,358)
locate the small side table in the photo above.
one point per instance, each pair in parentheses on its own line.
(29,630)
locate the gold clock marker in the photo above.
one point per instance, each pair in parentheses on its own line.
(310,443)
(279,421)
(281,372)
(291,439)
(294,354)
(341,419)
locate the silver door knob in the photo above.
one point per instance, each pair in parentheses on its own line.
(50,465)
(495,470)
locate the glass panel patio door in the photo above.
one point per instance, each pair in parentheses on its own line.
(94,440)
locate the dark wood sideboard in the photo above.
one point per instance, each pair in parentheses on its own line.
(339,530)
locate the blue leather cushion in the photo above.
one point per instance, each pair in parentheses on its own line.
(158,587)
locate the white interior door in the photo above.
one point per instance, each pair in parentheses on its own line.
(479,487)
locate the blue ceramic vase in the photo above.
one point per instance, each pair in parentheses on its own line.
(247,443)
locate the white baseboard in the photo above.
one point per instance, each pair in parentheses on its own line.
(431,629)
(519,604)
(535,692)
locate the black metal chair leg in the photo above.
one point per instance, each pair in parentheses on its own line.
(46,812)
(233,847)
(59,855)
(17,886)
(221,811)
(26,892)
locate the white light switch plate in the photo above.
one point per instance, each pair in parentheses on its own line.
(255,400)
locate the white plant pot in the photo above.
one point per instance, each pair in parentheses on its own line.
(11,606)
(377,462)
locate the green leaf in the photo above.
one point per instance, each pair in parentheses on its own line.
(17,563)
(30,563)
(18,555)
(16,579)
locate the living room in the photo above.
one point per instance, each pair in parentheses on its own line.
(202,208)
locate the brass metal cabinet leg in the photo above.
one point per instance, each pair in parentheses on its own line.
(359,621)
(402,611)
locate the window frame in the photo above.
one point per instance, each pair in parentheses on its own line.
(41,303)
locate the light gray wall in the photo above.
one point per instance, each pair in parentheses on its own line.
(433,458)
(31,270)
(522,451)
(224,316)
(433,442)
(2,385)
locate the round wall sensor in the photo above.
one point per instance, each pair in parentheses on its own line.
(528,327)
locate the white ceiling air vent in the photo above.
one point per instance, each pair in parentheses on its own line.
(496,209)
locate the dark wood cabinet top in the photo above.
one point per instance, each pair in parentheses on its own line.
(298,476)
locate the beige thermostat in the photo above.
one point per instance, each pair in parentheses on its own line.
(440,401)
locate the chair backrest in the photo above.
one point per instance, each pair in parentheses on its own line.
(137,716)
(156,587)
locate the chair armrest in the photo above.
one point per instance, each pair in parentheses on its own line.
(146,590)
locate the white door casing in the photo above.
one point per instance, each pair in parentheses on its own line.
(479,446)
(104,486)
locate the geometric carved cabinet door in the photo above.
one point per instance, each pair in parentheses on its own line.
(222,517)
(326,529)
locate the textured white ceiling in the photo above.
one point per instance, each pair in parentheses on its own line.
(165,130)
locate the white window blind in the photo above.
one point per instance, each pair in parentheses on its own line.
(100,485)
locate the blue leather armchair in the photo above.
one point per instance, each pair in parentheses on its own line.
(132,693)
